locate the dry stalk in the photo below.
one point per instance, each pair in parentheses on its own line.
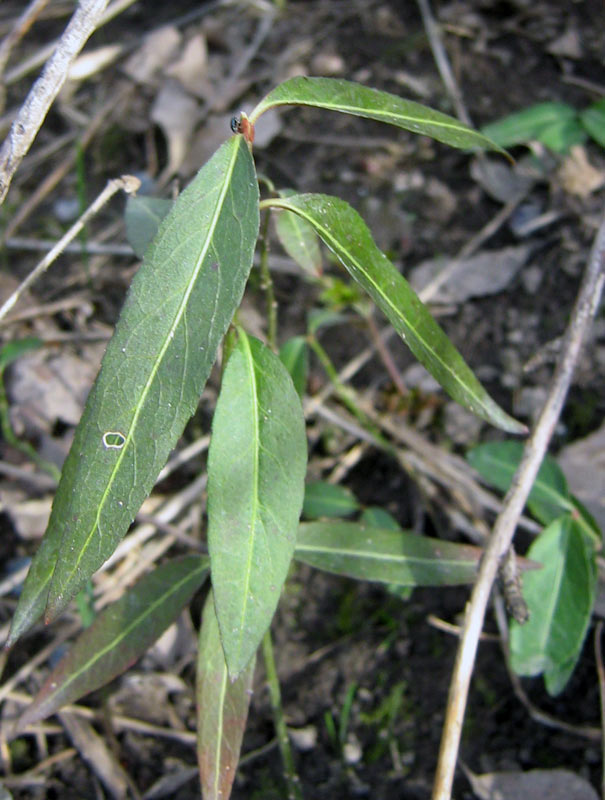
(42,94)
(583,312)
(128,183)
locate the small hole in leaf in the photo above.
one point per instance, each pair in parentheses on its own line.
(113,440)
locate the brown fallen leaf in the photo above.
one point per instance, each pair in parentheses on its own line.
(578,176)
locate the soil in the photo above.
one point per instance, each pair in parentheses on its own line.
(342,648)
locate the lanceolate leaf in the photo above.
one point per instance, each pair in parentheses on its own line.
(120,635)
(222,709)
(323,499)
(497,462)
(256,469)
(529,123)
(560,597)
(299,239)
(347,235)
(143,216)
(385,555)
(361,101)
(178,308)
(294,354)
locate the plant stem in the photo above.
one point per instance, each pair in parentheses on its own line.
(345,394)
(267,284)
(292,779)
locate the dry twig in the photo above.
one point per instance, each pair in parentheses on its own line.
(583,312)
(40,98)
(128,183)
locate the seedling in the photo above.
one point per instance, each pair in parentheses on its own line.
(178,310)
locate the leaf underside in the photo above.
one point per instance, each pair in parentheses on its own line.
(222,710)
(560,598)
(256,468)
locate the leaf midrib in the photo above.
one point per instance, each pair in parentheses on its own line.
(379,114)
(373,555)
(247,354)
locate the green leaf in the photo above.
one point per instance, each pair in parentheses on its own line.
(593,119)
(324,318)
(385,555)
(256,469)
(556,678)
(324,499)
(143,216)
(361,101)
(529,124)
(294,355)
(496,462)
(560,137)
(560,598)
(119,635)
(347,235)
(222,710)
(299,239)
(178,308)
(375,517)
(11,351)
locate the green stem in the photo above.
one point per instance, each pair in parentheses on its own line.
(345,394)
(292,779)
(267,284)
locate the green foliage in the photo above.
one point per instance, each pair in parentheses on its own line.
(222,709)
(198,253)
(346,234)
(558,126)
(560,596)
(256,470)
(324,499)
(294,355)
(119,635)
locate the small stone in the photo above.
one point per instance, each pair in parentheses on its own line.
(352,751)
(303,739)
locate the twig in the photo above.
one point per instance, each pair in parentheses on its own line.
(584,310)
(128,183)
(20,28)
(39,100)
(94,248)
(598,651)
(442,61)
(60,171)
(18,72)
(385,356)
